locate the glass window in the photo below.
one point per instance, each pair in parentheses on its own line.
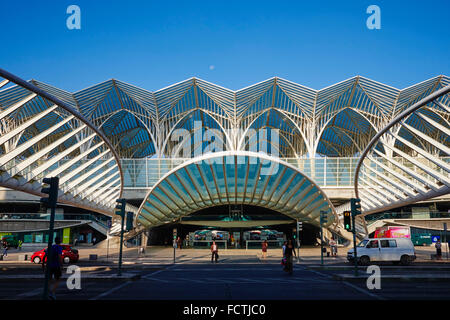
(363,243)
(392,244)
(373,244)
(384,243)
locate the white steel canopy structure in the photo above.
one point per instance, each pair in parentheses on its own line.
(337,121)
(239,177)
(83,137)
(41,136)
(409,160)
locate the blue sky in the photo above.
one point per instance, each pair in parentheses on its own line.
(153,44)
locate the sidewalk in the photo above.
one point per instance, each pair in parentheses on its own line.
(309,256)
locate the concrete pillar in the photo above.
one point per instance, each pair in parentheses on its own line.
(144,239)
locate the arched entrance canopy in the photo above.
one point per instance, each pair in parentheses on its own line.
(234,177)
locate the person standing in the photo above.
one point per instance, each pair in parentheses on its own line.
(55,266)
(289,253)
(438,247)
(214,252)
(333,247)
(94,240)
(264,246)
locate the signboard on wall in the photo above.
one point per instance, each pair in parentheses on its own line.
(66,236)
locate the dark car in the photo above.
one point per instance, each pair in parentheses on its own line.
(68,254)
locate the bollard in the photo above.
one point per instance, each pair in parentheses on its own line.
(23,257)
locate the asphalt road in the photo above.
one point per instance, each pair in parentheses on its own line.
(233,278)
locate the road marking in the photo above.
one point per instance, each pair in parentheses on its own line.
(149,276)
(363,291)
(251,280)
(192,280)
(104,294)
(156,279)
(224,269)
(31,293)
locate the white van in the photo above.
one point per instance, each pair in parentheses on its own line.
(384,249)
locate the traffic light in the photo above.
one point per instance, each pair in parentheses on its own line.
(299,225)
(120,206)
(294,233)
(323,217)
(52,192)
(130,217)
(347,220)
(174,233)
(356,206)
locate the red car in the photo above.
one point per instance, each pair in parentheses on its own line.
(68,254)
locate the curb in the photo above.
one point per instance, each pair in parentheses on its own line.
(352,278)
(397,268)
(112,277)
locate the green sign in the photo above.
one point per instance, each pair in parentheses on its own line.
(66,236)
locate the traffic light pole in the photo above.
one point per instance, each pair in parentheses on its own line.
(355,205)
(298,244)
(49,202)
(355,255)
(119,273)
(49,256)
(321,243)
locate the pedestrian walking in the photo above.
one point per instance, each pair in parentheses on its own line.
(55,266)
(5,249)
(94,240)
(214,252)
(284,248)
(179,243)
(264,246)
(333,247)
(438,247)
(289,252)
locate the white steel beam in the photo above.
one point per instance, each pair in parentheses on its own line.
(7,136)
(47,164)
(24,146)
(16,105)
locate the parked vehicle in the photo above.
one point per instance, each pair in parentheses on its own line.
(393,232)
(11,241)
(397,250)
(424,239)
(69,255)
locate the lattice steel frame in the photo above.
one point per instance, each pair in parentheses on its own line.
(337,121)
(404,163)
(42,136)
